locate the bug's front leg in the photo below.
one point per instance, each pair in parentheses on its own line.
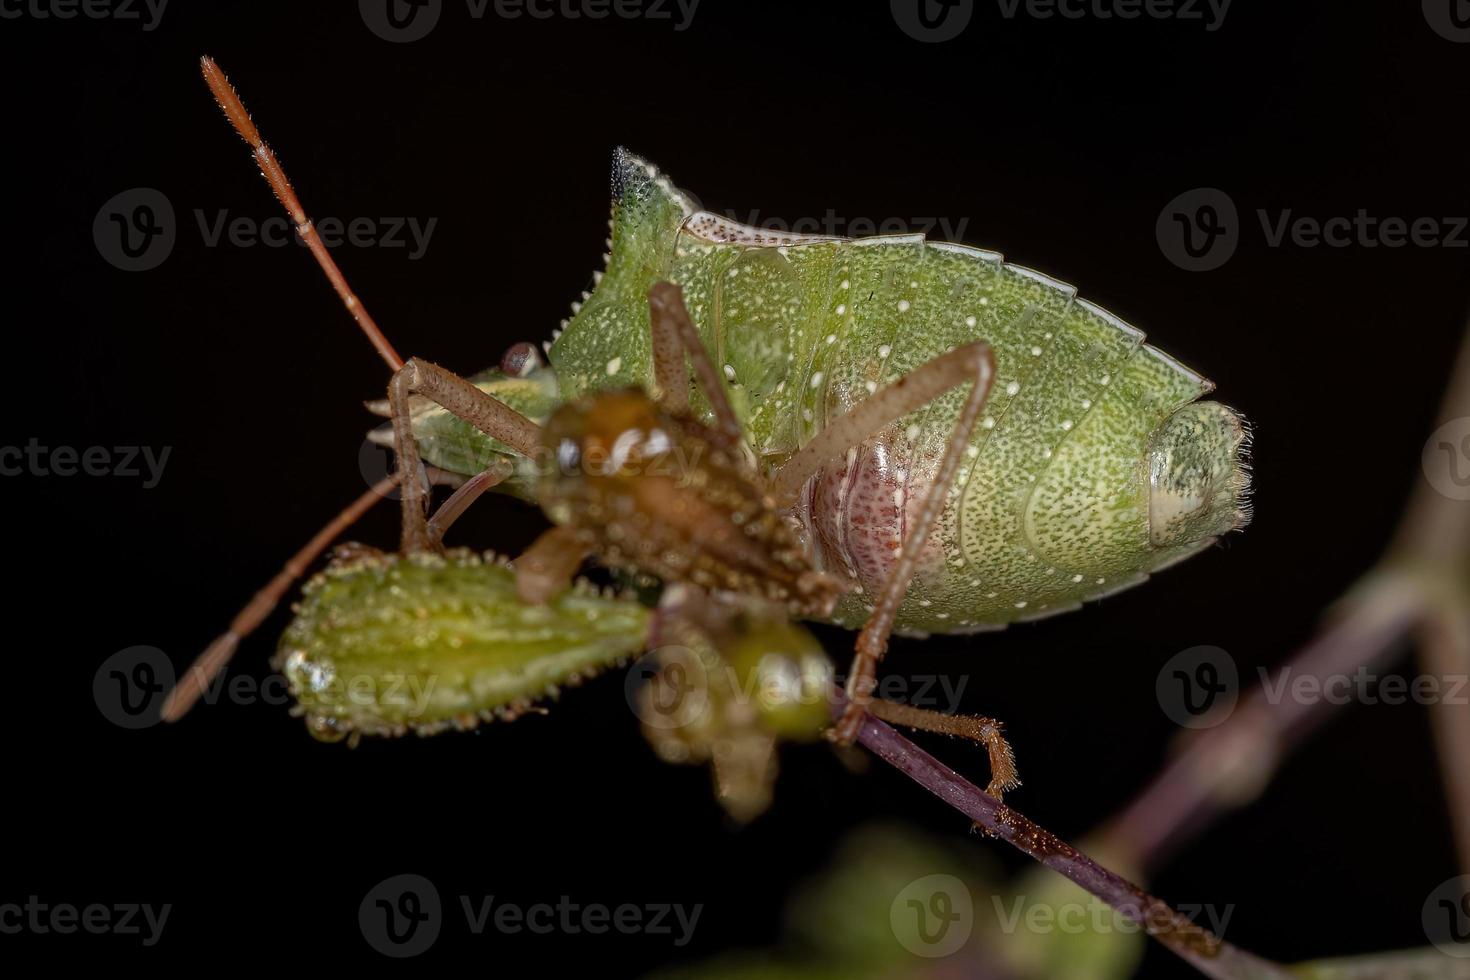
(461,399)
(467,493)
(973,362)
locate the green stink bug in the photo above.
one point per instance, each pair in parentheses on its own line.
(1093,465)
(917,435)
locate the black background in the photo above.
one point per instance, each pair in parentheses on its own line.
(1057,141)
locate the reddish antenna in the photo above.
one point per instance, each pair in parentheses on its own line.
(234,110)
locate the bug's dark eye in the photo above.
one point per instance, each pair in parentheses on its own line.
(520,360)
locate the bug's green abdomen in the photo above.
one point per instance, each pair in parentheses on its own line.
(1066,478)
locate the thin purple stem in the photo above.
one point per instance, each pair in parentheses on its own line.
(1226,766)
(1420,587)
(1199,947)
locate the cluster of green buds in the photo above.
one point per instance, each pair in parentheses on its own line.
(384,644)
(725,685)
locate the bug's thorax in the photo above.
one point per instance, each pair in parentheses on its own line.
(658,493)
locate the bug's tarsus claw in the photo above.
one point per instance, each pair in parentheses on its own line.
(976,827)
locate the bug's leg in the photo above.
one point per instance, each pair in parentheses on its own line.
(548,566)
(670,375)
(675,335)
(207,665)
(972,362)
(986,731)
(468,492)
(462,400)
(868,417)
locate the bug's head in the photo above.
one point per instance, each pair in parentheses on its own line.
(1199,476)
(609,433)
(610,437)
(522,380)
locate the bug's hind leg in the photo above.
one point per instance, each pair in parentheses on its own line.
(868,417)
(462,400)
(972,362)
(986,731)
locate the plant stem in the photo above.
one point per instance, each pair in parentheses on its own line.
(1421,587)
(1199,947)
(1434,539)
(1444,651)
(1226,766)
